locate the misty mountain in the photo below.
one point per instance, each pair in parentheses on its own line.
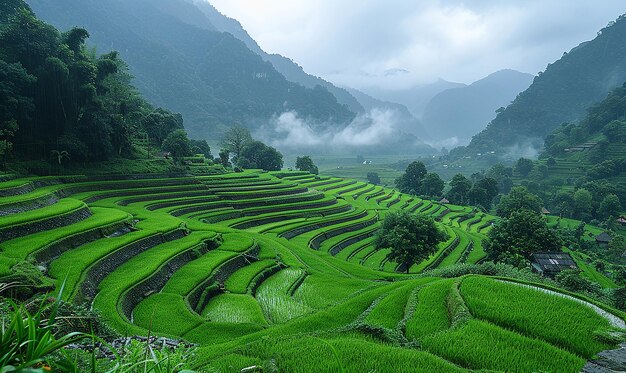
(459,113)
(562,93)
(416,98)
(406,121)
(291,70)
(211,77)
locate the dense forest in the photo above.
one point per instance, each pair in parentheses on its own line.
(209,76)
(58,97)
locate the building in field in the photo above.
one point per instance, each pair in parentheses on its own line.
(621,220)
(603,239)
(551,263)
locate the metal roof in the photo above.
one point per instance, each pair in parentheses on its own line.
(553,261)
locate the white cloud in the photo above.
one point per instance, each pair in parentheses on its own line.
(357,43)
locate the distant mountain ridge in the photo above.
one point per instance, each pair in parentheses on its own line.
(209,76)
(291,70)
(562,93)
(462,112)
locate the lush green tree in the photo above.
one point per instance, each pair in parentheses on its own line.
(177,144)
(432,185)
(518,199)
(201,147)
(412,178)
(259,155)
(224,157)
(459,187)
(160,123)
(523,166)
(235,139)
(373,178)
(583,203)
(563,203)
(411,238)
(551,162)
(478,196)
(572,280)
(610,207)
(520,235)
(490,185)
(305,163)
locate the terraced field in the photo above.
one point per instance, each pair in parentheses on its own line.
(279,270)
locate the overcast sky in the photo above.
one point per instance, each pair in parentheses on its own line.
(400,43)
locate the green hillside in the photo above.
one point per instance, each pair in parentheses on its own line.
(210,77)
(279,270)
(562,93)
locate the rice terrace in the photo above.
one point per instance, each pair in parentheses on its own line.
(128,245)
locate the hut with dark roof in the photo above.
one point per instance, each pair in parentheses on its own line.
(603,239)
(551,263)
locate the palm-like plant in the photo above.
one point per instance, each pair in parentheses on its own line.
(60,155)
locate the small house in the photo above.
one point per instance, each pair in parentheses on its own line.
(551,263)
(444,201)
(603,239)
(545,211)
(621,220)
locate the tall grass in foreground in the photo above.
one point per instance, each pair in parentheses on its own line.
(277,304)
(559,321)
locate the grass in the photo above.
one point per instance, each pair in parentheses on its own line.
(431,313)
(559,321)
(390,311)
(480,345)
(278,306)
(234,308)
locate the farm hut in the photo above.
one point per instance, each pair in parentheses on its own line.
(545,211)
(444,200)
(603,239)
(621,220)
(551,263)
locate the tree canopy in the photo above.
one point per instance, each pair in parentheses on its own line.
(518,199)
(411,238)
(515,238)
(258,155)
(305,163)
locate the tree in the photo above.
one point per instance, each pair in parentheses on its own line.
(523,166)
(177,144)
(520,235)
(610,207)
(551,162)
(583,203)
(201,147)
(478,196)
(490,185)
(432,185)
(411,238)
(60,155)
(259,155)
(412,177)
(160,123)
(224,157)
(459,187)
(235,139)
(373,178)
(518,199)
(306,164)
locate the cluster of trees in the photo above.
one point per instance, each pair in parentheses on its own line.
(481,192)
(417,181)
(56,95)
(241,150)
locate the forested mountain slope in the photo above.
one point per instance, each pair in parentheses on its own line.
(562,93)
(210,77)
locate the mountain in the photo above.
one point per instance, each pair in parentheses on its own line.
(415,98)
(405,121)
(462,112)
(562,93)
(292,71)
(211,77)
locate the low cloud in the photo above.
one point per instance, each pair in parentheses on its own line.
(375,128)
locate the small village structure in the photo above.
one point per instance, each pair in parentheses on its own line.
(603,239)
(550,263)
